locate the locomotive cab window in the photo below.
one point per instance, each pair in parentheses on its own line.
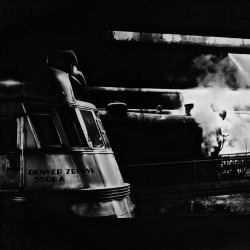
(92,129)
(72,128)
(8,133)
(100,125)
(45,129)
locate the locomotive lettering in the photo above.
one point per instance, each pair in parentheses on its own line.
(45,172)
(80,171)
(48,179)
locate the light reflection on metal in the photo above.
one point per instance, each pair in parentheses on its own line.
(65,175)
(181,39)
(150,90)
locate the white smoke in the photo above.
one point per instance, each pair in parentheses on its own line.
(221,87)
(237,126)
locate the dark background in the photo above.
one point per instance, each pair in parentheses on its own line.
(31,27)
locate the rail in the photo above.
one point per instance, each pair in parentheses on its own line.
(224,175)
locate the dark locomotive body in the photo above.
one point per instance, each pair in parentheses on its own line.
(159,154)
(144,138)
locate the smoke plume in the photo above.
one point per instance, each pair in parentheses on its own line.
(223,88)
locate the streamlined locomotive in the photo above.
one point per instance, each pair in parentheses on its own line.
(54,151)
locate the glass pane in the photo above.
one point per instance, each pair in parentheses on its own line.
(8,133)
(29,136)
(100,125)
(104,134)
(45,129)
(92,129)
(72,128)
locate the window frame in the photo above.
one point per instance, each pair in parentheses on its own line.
(36,135)
(64,134)
(86,131)
(102,130)
(54,113)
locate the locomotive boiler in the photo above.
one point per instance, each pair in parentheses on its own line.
(159,153)
(54,151)
(139,137)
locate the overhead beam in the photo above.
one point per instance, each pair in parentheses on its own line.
(181,39)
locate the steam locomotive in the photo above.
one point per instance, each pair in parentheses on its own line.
(159,153)
(143,138)
(54,152)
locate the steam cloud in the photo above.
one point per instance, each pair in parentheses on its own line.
(222,86)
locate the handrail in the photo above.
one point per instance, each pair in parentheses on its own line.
(196,161)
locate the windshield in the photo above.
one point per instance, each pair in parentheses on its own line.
(93,132)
